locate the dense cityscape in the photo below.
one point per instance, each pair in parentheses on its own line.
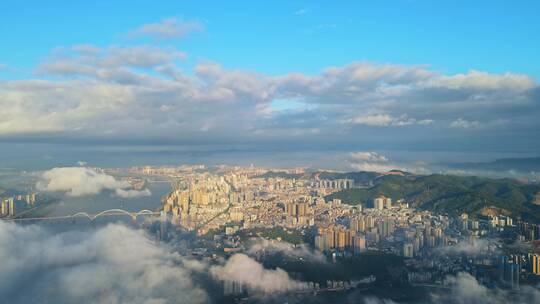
(235,199)
(287,219)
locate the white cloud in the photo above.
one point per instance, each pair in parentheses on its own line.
(425,122)
(384,120)
(373,120)
(485,81)
(375,167)
(98,62)
(373,162)
(368,156)
(131,193)
(466,289)
(81,181)
(38,106)
(131,92)
(461,123)
(473,247)
(169,28)
(272,246)
(373,300)
(113,264)
(242,269)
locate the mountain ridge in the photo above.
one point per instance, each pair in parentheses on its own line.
(451,194)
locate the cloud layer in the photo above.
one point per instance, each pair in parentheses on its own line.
(242,269)
(153,92)
(466,289)
(81,181)
(117,264)
(113,264)
(300,251)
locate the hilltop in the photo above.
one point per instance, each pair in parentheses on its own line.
(452,194)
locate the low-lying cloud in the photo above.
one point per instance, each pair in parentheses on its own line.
(131,193)
(299,251)
(473,247)
(113,264)
(81,181)
(242,269)
(374,162)
(117,264)
(465,289)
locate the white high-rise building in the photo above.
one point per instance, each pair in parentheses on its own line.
(382,202)
(408,250)
(378,203)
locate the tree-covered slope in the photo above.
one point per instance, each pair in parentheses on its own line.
(452,194)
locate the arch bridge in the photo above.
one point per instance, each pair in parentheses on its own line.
(92,217)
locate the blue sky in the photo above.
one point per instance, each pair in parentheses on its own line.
(276,37)
(356,75)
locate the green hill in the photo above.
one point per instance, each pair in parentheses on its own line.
(452,194)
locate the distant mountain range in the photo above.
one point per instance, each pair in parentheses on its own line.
(504,164)
(476,196)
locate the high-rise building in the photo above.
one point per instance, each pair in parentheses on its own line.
(330,239)
(378,203)
(382,202)
(296,209)
(11,204)
(320,242)
(30,198)
(343,239)
(388,203)
(334,237)
(369,222)
(386,227)
(408,250)
(359,243)
(353,225)
(302,209)
(535,264)
(4,207)
(511,268)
